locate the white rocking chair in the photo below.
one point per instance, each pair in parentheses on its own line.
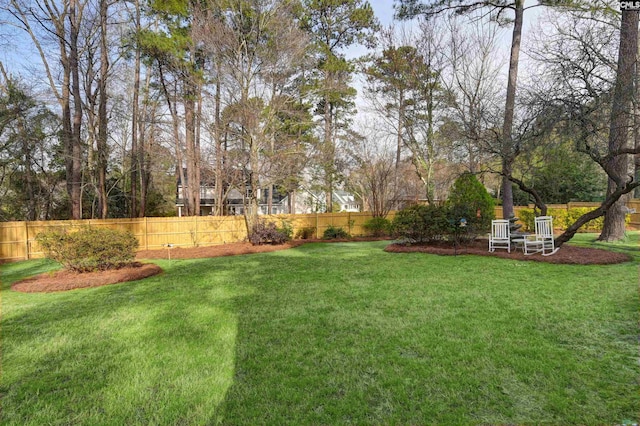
(500,235)
(543,240)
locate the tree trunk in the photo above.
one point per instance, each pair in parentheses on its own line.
(636,127)
(217,135)
(102,114)
(614,226)
(135,151)
(401,114)
(144,147)
(76,143)
(328,157)
(193,191)
(509,110)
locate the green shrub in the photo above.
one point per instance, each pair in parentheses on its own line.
(264,232)
(527,217)
(89,249)
(377,226)
(306,233)
(563,218)
(420,223)
(286,228)
(335,232)
(470,200)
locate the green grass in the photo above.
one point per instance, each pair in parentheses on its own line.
(328,334)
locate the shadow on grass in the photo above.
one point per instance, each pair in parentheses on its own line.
(157,351)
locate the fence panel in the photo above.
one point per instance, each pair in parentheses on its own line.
(17,239)
(635,217)
(13,242)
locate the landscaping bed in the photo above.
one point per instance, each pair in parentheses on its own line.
(69,280)
(66,280)
(567,254)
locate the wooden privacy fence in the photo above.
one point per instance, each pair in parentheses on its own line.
(633,205)
(17,239)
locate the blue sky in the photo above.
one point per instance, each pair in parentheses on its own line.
(383,10)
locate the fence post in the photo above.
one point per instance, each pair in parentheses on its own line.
(146,235)
(26,240)
(317,227)
(195,231)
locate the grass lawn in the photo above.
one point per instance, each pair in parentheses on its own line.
(328,334)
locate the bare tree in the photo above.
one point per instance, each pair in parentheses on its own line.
(373,172)
(473,92)
(60,22)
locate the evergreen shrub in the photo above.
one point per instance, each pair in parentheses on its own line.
(470,200)
(306,233)
(334,233)
(89,249)
(420,223)
(377,226)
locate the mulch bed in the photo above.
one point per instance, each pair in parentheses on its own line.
(565,255)
(65,280)
(68,280)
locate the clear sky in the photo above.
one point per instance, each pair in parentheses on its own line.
(383,10)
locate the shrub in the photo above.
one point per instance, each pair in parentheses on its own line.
(286,228)
(89,249)
(470,200)
(563,218)
(269,233)
(377,226)
(335,232)
(422,223)
(527,217)
(306,233)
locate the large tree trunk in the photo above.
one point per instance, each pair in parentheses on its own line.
(193,192)
(636,127)
(102,114)
(217,135)
(76,144)
(136,160)
(614,226)
(508,153)
(144,147)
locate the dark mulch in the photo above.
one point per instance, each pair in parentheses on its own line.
(565,255)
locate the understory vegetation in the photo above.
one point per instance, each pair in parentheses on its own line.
(264,232)
(466,214)
(329,334)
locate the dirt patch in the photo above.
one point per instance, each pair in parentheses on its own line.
(67,280)
(565,255)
